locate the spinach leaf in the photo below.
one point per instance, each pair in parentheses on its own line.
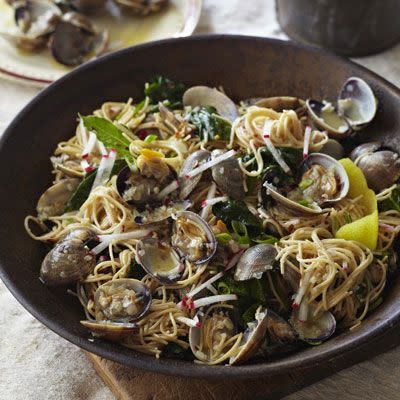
(109,134)
(233,210)
(209,124)
(391,203)
(136,271)
(83,190)
(265,238)
(173,350)
(161,88)
(293,157)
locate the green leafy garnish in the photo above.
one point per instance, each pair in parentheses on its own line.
(209,124)
(173,350)
(240,230)
(223,238)
(136,271)
(150,138)
(392,202)
(265,239)
(305,183)
(109,135)
(249,314)
(305,203)
(161,88)
(233,210)
(83,190)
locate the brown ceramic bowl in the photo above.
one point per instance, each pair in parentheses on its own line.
(245,67)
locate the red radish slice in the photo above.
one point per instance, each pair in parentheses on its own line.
(105,168)
(89,145)
(86,166)
(168,189)
(195,323)
(306,145)
(205,212)
(205,301)
(215,200)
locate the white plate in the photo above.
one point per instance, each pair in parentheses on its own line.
(179,19)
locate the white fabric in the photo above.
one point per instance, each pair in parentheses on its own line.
(37,364)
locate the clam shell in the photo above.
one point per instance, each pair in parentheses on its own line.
(113,331)
(206,96)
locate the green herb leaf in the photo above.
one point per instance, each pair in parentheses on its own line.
(209,124)
(249,314)
(304,203)
(223,238)
(348,218)
(173,350)
(109,134)
(305,183)
(150,138)
(83,190)
(161,88)
(240,230)
(265,239)
(233,210)
(391,203)
(136,271)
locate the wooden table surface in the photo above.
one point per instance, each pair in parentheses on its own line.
(26,373)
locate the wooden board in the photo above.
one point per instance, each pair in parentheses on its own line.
(134,384)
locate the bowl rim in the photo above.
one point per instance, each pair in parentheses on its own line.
(125,356)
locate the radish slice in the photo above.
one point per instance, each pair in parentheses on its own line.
(105,240)
(89,145)
(302,290)
(209,164)
(102,149)
(303,311)
(274,152)
(199,288)
(168,189)
(306,145)
(105,168)
(211,193)
(194,323)
(205,301)
(210,202)
(86,166)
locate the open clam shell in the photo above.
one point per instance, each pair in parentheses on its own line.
(160,260)
(113,331)
(193,238)
(252,338)
(326,117)
(280,103)
(197,96)
(141,7)
(357,103)
(122,300)
(313,329)
(36,20)
(187,185)
(53,201)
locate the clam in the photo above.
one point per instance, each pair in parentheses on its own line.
(118,304)
(322,181)
(84,6)
(255,261)
(113,331)
(333,148)
(36,21)
(252,338)
(280,103)
(160,260)
(122,300)
(313,328)
(75,40)
(357,103)
(141,7)
(53,201)
(381,167)
(326,117)
(70,260)
(217,327)
(194,160)
(229,177)
(193,238)
(280,336)
(356,108)
(198,96)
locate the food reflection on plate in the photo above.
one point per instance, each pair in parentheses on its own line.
(193,227)
(79,30)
